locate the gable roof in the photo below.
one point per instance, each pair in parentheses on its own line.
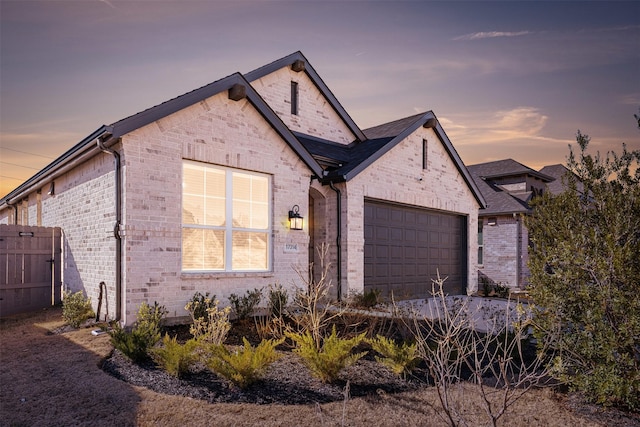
(507,167)
(500,201)
(561,173)
(109,135)
(317,81)
(393,128)
(330,162)
(349,161)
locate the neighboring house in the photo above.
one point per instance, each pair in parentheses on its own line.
(503,239)
(561,176)
(195,195)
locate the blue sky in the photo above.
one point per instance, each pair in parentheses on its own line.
(506,79)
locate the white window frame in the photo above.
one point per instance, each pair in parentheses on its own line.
(228,227)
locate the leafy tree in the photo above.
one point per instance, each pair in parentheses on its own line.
(585,275)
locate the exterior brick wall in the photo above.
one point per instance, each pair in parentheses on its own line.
(506,251)
(315,115)
(83,206)
(398,176)
(217,131)
(233,134)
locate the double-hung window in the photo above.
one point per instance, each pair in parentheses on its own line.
(226,219)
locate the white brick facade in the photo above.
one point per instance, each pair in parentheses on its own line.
(216,131)
(315,115)
(505,251)
(398,176)
(235,134)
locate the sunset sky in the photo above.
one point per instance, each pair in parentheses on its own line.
(506,79)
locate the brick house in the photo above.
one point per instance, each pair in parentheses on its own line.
(503,239)
(196,195)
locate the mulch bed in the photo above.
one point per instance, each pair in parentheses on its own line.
(287,380)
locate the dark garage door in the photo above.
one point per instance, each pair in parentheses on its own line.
(405,247)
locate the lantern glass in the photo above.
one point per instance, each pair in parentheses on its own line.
(296,221)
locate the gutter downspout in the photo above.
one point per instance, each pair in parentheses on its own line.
(338,238)
(116,228)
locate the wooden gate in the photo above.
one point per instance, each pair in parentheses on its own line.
(30,268)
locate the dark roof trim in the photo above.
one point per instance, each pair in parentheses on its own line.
(531,172)
(483,214)
(428,119)
(75,155)
(150,115)
(228,83)
(317,81)
(146,117)
(440,133)
(523,170)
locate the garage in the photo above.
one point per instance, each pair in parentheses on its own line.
(406,246)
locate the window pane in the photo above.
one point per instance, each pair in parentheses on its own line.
(207,198)
(193,179)
(202,249)
(250,251)
(215,197)
(215,212)
(203,190)
(215,183)
(250,201)
(193,195)
(192,209)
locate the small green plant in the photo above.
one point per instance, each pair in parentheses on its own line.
(144,334)
(76,308)
(366,300)
(212,328)
(486,286)
(199,304)
(245,365)
(399,358)
(501,290)
(243,306)
(278,300)
(173,357)
(333,356)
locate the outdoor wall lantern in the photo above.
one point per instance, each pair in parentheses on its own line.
(295,219)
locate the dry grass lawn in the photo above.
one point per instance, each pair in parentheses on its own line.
(54,379)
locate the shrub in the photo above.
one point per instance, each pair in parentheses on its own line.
(585,275)
(173,357)
(333,356)
(199,304)
(486,285)
(312,310)
(278,300)
(247,364)
(400,358)
(149,319)
(501,290)
(366,300)
(76,308)
(144,334)
(212,328)
(243,306)
(453,348)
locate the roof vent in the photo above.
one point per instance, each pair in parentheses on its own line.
(237,92)
(298,66)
